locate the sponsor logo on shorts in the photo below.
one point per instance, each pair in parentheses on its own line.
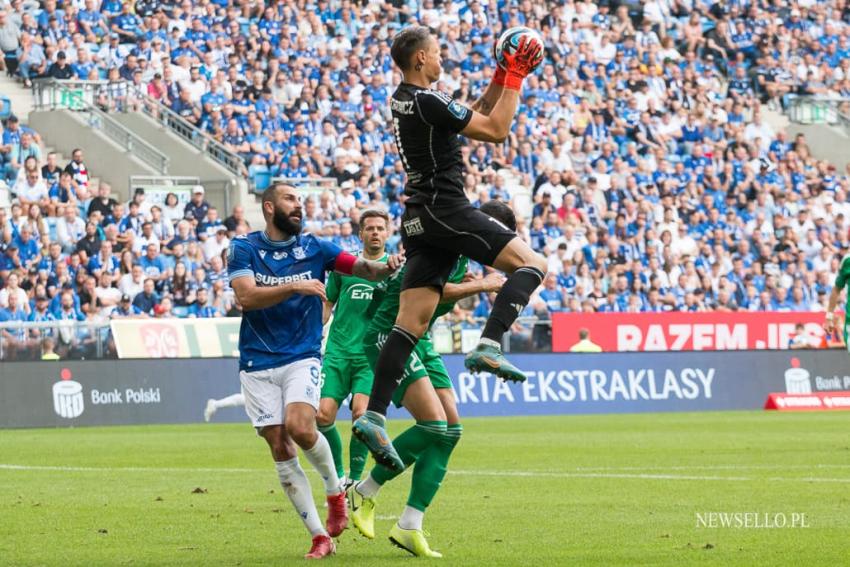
(265,417)
(413,227)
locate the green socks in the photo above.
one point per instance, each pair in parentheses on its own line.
(409,445)
(357,455)
(331,433)
(430,468)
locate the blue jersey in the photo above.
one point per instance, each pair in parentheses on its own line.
(291,330)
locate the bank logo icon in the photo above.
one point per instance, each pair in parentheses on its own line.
(68,396)
(797,380)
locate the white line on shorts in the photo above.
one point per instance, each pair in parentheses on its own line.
(528,474)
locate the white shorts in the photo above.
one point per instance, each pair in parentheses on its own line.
(268,392)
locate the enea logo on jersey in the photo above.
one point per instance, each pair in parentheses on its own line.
(68,399)
(361,291)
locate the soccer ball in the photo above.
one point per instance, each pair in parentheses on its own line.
(509,41)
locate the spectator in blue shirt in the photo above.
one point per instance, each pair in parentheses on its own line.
(126,310)
(201,308)
(210,225)
(13,338)
(154,266)
(28,248)
(148,299)
(196,209)
(553,294)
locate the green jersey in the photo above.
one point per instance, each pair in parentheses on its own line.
(843,273)
(841,281)
(383,310)
(352,296)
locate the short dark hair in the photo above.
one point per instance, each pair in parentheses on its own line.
(501,212)
(583,334)
(374,213)
(269,193)
(407,42)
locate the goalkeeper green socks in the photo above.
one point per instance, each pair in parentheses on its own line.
(331,433)
(357,455)
(430,468)
(409,445)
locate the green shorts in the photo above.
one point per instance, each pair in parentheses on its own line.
(424,362)
(343,376)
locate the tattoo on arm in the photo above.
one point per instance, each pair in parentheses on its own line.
(482,105)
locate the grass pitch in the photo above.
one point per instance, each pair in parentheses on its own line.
(585,490)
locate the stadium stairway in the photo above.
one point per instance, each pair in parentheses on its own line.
(65,130)
(825,141)
(20,97)
(224,189)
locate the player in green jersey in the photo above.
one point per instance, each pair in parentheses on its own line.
(426,391)
(345,369)
(841,281)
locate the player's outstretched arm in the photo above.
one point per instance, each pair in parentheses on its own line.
(494,125)
(834,296)
(485,103)
(455,292)
(253,297)
(376,271)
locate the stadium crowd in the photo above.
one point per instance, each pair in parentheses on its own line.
(656,182)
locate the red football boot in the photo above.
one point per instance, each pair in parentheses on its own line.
(337,514)
(323,546)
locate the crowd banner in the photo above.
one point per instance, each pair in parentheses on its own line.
(176,338)
(678,331)
(114,392)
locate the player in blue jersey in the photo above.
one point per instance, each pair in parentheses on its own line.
(278,276)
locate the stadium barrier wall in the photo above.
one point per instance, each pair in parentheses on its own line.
(113,392)
(680,331)
(176,338)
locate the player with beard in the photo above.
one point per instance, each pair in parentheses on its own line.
(278,276)
(439,224)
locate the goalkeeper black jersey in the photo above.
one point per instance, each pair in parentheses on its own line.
(426,125)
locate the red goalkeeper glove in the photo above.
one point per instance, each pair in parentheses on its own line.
(520,63)
(499,76)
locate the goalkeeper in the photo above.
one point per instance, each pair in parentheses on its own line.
(430,401)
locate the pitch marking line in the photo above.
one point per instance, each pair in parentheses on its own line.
(528,474)
(712,467)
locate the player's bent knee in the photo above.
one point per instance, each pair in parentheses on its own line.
(539,262)
(304,434)
(447,400)
(327,412)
